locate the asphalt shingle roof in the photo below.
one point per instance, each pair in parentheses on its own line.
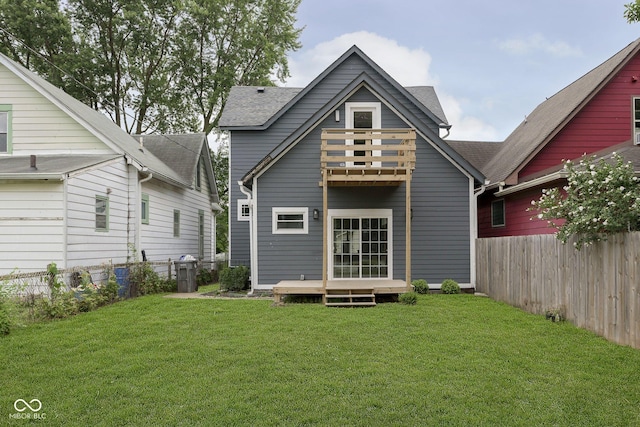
(47,164)
(249,106)
(179,152)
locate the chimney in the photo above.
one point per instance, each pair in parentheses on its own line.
(33,162)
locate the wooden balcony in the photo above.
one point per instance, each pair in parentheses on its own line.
(374,157)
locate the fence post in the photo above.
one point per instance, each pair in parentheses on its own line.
(169,270)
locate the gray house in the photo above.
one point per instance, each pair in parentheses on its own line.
(346,185)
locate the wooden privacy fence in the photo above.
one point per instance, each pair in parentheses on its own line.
(596,288)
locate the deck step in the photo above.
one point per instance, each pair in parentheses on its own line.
(350,304)
(349,297)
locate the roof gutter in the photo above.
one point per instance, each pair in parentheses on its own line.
(33,176)
(533,183)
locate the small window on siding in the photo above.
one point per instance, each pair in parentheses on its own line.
(244,213)
(144,209)
(198,176)
(5,129)
(102,213)
(497,213)
(636,121)
(176,223)
(290,220)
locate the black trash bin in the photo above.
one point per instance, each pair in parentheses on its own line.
(186,275)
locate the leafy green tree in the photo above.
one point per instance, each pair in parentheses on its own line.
(130,43)
(600,198)
(220,161)
(37,35)
(226,43)
(632,11)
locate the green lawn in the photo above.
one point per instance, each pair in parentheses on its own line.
(449,360)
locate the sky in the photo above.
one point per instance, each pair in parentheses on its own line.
(491,62)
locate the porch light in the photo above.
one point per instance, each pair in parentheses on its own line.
(316,214)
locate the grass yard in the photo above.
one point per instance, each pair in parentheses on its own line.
(449,360)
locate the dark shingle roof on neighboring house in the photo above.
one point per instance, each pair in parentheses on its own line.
(550,116)
(49,166)
(181,153)
(478,153)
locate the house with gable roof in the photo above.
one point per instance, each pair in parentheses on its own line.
(598,114)
(345,185)
(77,190)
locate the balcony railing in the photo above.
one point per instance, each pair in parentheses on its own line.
(367,156)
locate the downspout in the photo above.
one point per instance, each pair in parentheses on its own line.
(139,209)
(445,127)
(244,190)
(474,218)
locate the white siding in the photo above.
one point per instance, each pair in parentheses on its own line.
(39,126)
(157,237)
(31,225)
(85,245)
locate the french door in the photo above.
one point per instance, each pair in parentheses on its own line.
(361,247)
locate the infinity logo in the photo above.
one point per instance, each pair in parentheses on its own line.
(25,405)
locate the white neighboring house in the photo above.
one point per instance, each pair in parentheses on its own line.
(77,190)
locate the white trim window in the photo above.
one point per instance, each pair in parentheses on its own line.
(244,211)
(290,220)
(363,115)
(636,120)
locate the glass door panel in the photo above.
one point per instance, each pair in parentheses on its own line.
(360,248)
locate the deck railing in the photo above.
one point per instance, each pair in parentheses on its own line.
(361,156)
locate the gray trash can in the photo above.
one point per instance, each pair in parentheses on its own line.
(186,276)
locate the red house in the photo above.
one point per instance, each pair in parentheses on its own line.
(597,114)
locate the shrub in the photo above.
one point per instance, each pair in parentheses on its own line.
(61,305)
(204,277)
(109,291)
(5,321)
(144,280)
(420,286)
(601,198)
(234,278)
(450,286)
(408,298)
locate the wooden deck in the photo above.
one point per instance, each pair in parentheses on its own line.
(353,290)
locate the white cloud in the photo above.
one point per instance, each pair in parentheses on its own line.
(410,67)
(538,43)
(464,127)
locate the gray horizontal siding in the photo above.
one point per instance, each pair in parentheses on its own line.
(293,180)
(440,201)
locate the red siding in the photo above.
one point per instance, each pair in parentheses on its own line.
(605,121)
(517,218)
